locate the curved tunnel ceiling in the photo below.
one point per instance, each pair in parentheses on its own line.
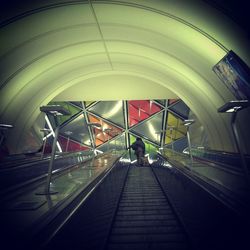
(52,50)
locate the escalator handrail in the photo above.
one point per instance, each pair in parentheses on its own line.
(71,204)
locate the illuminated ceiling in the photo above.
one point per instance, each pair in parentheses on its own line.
(113,50)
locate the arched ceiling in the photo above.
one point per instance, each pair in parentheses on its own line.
(111,50)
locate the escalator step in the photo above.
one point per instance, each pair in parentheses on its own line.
(145,219)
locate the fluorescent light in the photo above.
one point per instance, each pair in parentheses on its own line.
(233,106)
(230,110)
(6,126)
(68,133)
(54,110)
(188,122)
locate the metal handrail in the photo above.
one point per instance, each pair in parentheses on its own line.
(72,200)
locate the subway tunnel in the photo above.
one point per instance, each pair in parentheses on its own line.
(122,70)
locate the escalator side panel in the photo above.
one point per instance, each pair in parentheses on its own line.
(210,224)
(89,226)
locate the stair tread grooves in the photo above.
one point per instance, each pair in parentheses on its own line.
(133,198)
(153,206)
(149,238)
(147,230)
(146,217)
(144,214)
(145,223)
(145,220)
(152,246)
(128,213)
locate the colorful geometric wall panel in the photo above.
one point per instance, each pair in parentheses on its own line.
(71,108)
(78,104)
(110,110)
(77,130)
(117,143)
(178,131)
(105,132)
(181,109)
(162,102)
(68,145)
(150,129)
(171,101)
(145,118)
(88,103)
(141,110)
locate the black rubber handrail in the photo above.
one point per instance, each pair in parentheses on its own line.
(59,215)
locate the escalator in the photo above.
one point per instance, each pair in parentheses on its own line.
(145,218)
(142,218)
(155,207)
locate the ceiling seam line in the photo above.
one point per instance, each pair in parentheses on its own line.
(101,34)
(174,17)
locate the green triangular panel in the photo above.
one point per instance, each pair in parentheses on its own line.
(151,128)
(72,109)
(78,104)
(110,110)
(149,148)
(132,139)
(162,102)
